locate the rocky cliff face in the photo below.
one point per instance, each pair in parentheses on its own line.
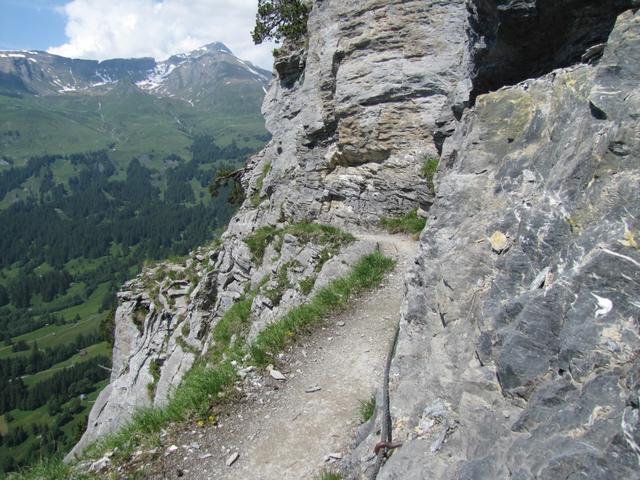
(518,349)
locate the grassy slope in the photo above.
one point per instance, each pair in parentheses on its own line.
(130,119)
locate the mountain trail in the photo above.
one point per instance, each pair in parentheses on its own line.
(288,429)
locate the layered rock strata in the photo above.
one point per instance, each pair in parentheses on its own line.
(518,354)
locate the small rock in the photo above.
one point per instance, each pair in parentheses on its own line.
(232,459)
(498,241)
(341,324)
(276,374)
(335,456)
(171,449)
(205,456)
(313,388)
(100,465)
(528,176)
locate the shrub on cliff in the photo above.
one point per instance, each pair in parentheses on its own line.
(280,20)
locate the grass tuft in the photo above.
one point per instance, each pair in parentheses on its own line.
(281,285)
(428,171)
(328,475)
(410,223)
(367,409)
(306,285)
(305,232)
(49,469)
(366,274)
(258,242)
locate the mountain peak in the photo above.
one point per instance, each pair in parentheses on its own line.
(216,47)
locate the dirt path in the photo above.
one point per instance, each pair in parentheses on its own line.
(283,431)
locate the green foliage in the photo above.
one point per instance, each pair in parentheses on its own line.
(192,398)
(367,409)
(50,469)
(154,370)
(306,285)
(279,20)
(305,232)
(428,171)
(320,234)
(186,329)
(409,223)
(140,313)
(108,326)
(281,284)
(234,322)
(258,242)
(230,180)
(366,274)
(328,475)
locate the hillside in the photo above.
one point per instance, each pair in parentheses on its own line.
(103,166)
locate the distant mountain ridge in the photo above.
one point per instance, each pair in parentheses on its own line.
(187,76)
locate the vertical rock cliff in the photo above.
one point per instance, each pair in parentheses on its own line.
(519,342)
(517,355)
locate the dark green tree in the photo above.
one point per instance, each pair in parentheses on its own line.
(231,179)
(279,20)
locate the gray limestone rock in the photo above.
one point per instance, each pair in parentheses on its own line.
(546,330)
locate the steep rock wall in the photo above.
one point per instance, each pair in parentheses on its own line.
(353,116)
(518,354)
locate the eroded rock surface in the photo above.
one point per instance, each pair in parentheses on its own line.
(523,362)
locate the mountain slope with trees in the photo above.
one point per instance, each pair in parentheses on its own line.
(98,176)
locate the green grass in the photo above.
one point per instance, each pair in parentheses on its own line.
(282,283)
(234,322)
(130,119)
(410,223)
(199,389)
(101,349)
(90,307)
(47,469)
(328,475)
(208,382)
(305,232)
(366,274)
(306,285)
(367,409)
(53,335)
(428,171)
(258,242)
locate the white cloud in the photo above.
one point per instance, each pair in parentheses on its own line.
(101,29)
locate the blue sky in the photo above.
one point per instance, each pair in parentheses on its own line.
(102,29)
(31,24)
